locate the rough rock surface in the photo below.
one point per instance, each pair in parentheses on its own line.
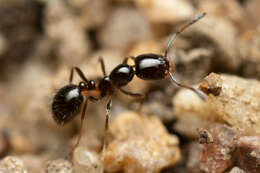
(140,144)
(64,30)
(59,166)
(236,170)
(87,161)
(249,46)
(12,164)
(235,93)
(118,32)
(226,54)
(247,154)
(216,155)
(165,11)
(40,40)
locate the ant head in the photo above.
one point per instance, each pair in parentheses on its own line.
(89,85)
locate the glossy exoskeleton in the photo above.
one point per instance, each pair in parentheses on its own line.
(71,98)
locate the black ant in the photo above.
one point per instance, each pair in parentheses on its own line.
(68,101)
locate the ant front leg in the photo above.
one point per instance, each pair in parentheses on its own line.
(108,109)
(139,96)
(79,72)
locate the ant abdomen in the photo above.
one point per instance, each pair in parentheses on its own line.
(66,104)
(151,66)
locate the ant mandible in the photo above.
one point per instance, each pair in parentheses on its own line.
(68,100)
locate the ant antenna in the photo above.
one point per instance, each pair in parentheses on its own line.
(172,38)
(80,73)
(186,86)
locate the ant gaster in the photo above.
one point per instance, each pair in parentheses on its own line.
(68,101)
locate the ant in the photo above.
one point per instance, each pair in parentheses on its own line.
(68,100)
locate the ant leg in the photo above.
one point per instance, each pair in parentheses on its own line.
(172,38)
(127,58)
(186,86)
(83,113)
(108,109)
(101,60)
(140,97)
(79,72)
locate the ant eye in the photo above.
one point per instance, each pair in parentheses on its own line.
(91,84)
(82,86)
(66,104)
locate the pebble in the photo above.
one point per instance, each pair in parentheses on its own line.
(236,92)
(140,144)
(86,161)
(12,164)
(59,166)
(169,11)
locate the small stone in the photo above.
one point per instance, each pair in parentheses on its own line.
(194,152)
(192,113)
(59,166)
(247,154)
(216,156)
(20,143)
(252,8)
(236,170)
(62,28)
(125,26)
(193,64)
(226,56)
(231,10)
(139,144)
(249,48)
(34,163)
(93,14)
(235,93)
(87,161)
(205,137)
(166,10)
(211,84)
(12,164)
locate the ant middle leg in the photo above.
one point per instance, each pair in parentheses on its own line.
(101,60)
(139,96)
(79,72)
(108,109)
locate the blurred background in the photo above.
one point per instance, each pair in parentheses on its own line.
(40,40)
